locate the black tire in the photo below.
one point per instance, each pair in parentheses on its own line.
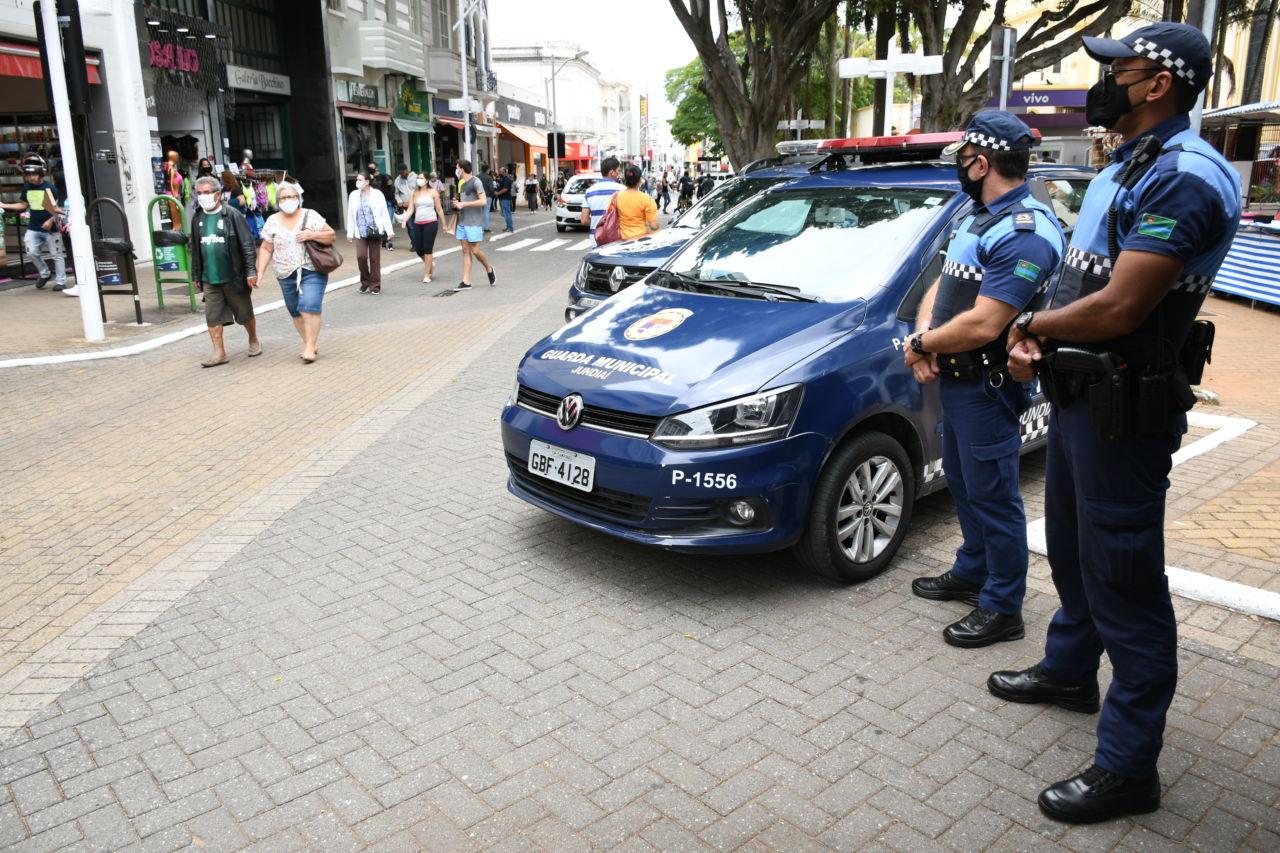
(561,228)
(820,549)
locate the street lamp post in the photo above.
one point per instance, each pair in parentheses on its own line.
(460,25)
(555,125)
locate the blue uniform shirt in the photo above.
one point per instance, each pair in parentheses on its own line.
(1186,206)
(1006,250)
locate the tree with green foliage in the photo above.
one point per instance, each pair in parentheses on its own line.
(694,119)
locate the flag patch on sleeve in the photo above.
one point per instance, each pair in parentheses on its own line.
(1027,270)
(1159,227)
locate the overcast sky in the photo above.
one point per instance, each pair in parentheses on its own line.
(636,41)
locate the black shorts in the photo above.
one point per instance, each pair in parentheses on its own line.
(423,237)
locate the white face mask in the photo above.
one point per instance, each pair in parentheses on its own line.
(208,201)
(289,205)
(422,182)
(361,184)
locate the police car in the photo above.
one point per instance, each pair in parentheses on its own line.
(750,394)
(608,269)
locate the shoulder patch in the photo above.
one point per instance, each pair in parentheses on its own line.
(1024,221)
(1027,270)
(1159,227)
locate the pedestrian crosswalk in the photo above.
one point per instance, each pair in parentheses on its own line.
(539,244)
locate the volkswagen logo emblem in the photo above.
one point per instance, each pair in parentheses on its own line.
(616,279)
(570,412)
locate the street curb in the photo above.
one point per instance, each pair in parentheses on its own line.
(201,328)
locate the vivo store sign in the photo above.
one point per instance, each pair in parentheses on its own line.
(1020,99)
(253,80)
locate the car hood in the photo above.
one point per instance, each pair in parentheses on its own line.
(652,250)
(654,351)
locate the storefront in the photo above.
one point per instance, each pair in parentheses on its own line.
(412,118)
(259,121)
(365,123)
(520,143)
(578,157)
(484,135)
(1058,113)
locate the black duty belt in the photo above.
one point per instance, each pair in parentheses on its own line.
(991,360)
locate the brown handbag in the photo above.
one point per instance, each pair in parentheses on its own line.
(323,258)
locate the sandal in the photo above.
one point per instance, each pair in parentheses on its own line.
(210,362)
(254,353)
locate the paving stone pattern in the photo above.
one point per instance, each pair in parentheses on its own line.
(410,658)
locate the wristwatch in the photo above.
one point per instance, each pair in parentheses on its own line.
(917,344)
(1024,322)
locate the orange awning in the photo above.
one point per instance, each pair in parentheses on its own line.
(455,123)
(22,60)
(530,136)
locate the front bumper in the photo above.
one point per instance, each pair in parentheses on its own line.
(565,216)
(639,496)
(580,301)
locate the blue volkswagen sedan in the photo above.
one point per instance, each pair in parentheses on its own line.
(749,395)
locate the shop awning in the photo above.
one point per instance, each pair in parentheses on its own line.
(1266,112)
(484,129)
(530,136)
(413,125)
(364,113)
(577,151)
(21,60)
(455,123)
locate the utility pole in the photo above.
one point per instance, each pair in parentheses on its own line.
(462,62)
(81,239)
(1207,25)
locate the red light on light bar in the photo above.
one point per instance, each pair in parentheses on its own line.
(908,142)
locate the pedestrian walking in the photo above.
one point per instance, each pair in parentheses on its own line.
(999,258)
(544,192)
(433,181)
(471,204)
(486,181)
(686,192)
(39,202)
(301,284)
(1115,353)
(506,198)
(531,193)
(637,211)
(223,267)
(664,190)
(382,183)
(368,225)
(599,194)
(403,186)
(423,216)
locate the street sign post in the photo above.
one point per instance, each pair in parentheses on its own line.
(1004,53)
(876,69)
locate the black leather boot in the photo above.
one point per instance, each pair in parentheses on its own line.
(1031,685)
(1097,795)
(984,627)
(947,587)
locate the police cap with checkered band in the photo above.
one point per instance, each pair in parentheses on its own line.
(996,130)
(1180,48)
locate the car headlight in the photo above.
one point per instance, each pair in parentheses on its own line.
(580,277)
(515,393)
(746,420)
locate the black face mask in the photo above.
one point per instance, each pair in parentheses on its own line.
(971,188)
(1108,101)
(206,170)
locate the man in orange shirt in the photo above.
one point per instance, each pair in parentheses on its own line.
(637,211)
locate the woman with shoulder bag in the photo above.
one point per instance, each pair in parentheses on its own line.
(368,225)
(285,237)
(422,217)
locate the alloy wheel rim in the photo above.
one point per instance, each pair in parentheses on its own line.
(870,509)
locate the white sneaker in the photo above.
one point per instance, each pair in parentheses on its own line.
(74,290)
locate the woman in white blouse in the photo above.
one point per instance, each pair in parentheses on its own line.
(368,225)
(302,286)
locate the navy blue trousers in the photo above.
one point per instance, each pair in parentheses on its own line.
(980,446)
(1104,521)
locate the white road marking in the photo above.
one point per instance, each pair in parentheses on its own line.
(588,243)
(1185,582)
(549,245)
(519,244)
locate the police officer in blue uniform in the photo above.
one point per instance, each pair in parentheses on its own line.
(997,264)
(1116,352)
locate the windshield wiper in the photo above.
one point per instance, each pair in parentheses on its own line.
(741,283)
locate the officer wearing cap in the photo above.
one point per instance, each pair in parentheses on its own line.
(997,264)
(1114,350)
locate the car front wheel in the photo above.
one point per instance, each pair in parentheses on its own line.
(861,509)
(561,228)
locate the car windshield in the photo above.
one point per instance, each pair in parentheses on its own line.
(579,185)
(726,196)
(836,244)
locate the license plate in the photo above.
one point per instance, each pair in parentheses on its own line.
(573,469)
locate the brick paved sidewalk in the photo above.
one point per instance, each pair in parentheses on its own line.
(402,656)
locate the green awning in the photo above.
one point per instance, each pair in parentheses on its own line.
(412,125)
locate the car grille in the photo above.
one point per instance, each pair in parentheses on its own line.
(600,501)
(594,417)
(597,278)
(689,512)
(574,208)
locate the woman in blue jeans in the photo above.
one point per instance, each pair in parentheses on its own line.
(303,287)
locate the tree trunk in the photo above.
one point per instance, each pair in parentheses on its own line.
(846,109)
(1220,40)
(833,77)
(883,97)
(1259,45)
(1195,13)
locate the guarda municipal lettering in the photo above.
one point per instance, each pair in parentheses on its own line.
(602,366)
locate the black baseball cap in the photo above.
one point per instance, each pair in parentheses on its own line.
(1181,48)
